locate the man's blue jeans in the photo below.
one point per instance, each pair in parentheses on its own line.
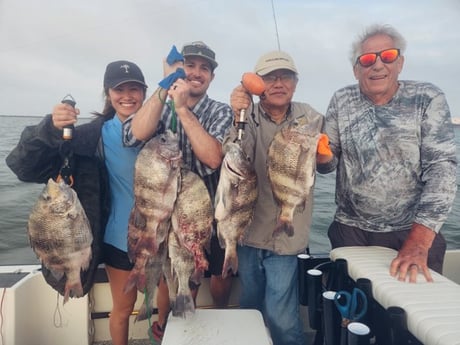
(269,283)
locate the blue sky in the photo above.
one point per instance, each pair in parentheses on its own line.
(49,48)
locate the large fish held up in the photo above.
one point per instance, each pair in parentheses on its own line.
(191,230)
(156,183)
(291,165)
(60,235)
(236,196)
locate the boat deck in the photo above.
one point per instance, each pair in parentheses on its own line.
(131,342)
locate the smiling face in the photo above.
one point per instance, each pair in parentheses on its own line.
(199,75)
(378,82)
(280,86)
(127,98)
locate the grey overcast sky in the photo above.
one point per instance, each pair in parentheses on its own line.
(49,48)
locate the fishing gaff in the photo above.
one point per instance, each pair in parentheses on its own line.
(65,150)
(254,85)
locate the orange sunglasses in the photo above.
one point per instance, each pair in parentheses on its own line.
(386,56)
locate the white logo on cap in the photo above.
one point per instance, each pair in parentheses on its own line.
(126,67)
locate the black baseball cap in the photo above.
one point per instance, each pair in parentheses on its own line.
(122,71)
(199,48)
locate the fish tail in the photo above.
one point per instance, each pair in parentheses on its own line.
(184,303)
(142,314)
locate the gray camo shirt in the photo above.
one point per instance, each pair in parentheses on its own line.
(396,163)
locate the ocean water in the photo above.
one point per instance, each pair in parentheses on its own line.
(17,198)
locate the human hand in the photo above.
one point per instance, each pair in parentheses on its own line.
(239,100)
(412,258)
(63,115)
(179,92)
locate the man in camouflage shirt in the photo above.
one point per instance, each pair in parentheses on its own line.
(395,155)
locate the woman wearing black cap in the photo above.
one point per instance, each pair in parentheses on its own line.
(102,173)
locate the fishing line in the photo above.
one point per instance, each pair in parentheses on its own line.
(170,103)
(276,26)
(149,316)
(57,314)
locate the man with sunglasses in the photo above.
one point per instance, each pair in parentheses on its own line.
(394,150)
(267,264)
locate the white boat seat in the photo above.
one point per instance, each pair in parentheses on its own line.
(432,309)
(217,326)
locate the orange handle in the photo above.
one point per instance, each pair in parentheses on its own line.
(253,83)
(323,145)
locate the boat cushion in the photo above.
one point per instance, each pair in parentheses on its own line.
(432,309)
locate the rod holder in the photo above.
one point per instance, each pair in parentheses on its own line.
(314,282)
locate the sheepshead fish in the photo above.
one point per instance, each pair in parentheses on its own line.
(191,230)
(291,165)
(156,183)
(236,196)
(192,217)
(182,267)
(60,235)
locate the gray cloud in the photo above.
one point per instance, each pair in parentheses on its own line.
(59,47)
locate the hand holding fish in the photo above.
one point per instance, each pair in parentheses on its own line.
(63,115)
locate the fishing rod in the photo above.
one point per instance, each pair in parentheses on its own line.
(65,150)
(253,83)
(276,25)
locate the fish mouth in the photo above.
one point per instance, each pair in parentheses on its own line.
(233,169)
(171,156)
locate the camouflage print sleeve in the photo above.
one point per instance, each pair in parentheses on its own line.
(438,159)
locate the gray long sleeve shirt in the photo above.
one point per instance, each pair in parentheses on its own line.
(396,163)
(258,134)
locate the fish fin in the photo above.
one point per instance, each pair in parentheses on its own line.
(137,275)
(72,290)
(230,262)
(130,283)
(137,219)
(220,238)
(196,276)
(284,226)
(144,312)
(219,210)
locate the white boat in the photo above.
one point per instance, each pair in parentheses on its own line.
(32,313)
